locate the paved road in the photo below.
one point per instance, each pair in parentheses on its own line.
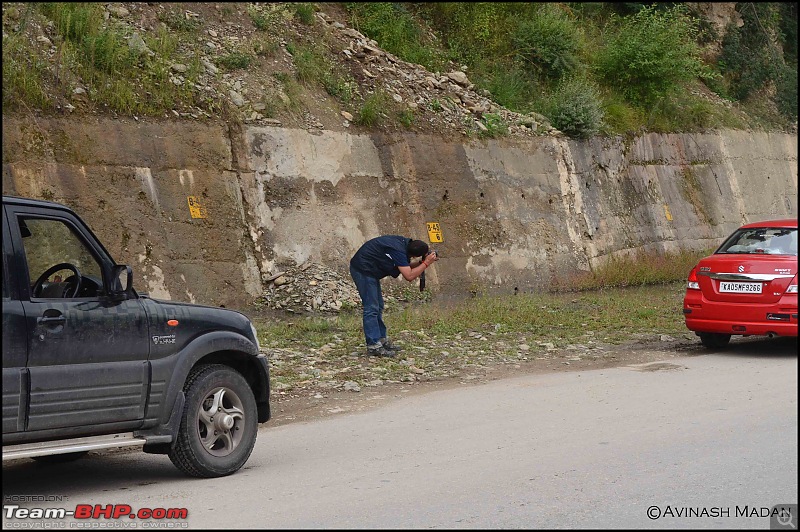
(716,432)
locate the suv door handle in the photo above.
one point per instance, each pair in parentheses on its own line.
(52,320)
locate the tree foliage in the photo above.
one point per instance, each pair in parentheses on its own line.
(548,42)
(762,53)
(650,53)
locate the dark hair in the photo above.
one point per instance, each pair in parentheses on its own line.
(417,248)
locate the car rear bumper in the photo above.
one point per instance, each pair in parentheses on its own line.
(702,315)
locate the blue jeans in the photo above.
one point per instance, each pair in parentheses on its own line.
(369,288)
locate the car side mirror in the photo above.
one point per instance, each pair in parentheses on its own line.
(121,282)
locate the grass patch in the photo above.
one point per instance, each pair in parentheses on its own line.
(445,339)
(373,110)
(23,76)
(623,300)
(495,126)
(179,22)
(123,73)
(639,269)
(292,90)
(398,32)
(406,117)
(612,316)
(313,67)
(235,60)
(304,11)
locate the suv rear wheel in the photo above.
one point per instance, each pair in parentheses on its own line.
(714,340)
(219,425)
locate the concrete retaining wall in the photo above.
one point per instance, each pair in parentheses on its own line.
(513,213)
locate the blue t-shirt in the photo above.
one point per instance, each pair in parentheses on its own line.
(380,256)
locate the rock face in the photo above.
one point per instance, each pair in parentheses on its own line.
(515,214)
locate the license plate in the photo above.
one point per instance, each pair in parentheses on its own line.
(740,288)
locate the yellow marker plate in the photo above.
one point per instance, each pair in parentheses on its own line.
(196,210)
(434,232)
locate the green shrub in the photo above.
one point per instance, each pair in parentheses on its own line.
(406,117)
(235,60)
(312,66)
(338,86)
(495,126)
(640,269)
(304,11)
(650,53)
(575,108)
(509,86)
(786,93)
(179,21)
(74,21)
(373,109)
(108,52)
(260,21)
(477,31)
(309,63)
(548,42)
(82,25)
(620,116)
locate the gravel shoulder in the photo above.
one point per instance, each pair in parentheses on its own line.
(310,403)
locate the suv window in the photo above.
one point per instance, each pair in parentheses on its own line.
(49,242)
(6,295)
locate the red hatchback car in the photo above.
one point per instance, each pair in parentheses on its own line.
(747,287)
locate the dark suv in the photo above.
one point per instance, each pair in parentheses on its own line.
(88,363)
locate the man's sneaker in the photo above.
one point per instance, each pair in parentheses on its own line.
(388,344)
(379,351)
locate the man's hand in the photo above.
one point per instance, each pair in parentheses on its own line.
(431,257)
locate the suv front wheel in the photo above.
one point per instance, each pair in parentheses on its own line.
(219,425)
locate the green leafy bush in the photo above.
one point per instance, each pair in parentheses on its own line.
(549,41)
(651,53)
(575,108)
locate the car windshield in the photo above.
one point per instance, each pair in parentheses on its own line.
(765,240)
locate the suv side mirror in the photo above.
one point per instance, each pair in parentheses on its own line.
(120,285)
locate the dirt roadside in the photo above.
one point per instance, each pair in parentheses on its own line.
(310,404)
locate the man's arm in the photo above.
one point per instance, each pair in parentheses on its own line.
(410,273)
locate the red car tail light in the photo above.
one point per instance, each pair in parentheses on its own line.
(792,288)
(693,284)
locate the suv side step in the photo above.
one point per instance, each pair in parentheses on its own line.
(72,445)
